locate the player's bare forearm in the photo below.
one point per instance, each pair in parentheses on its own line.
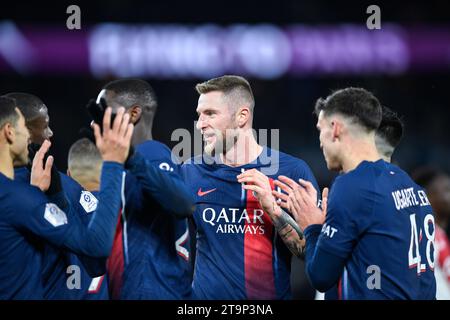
(292,240)
(289,231)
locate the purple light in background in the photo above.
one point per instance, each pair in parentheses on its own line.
(347,49)
(59,50)
(203,51)
(48,49)
(181,51)
(429,48)
(15,49)
(262,51)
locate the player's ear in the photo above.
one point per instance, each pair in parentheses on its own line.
(9,133)
(135,114)
(243,116)
(68,173)
(336,129)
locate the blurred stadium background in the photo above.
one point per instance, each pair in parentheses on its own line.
(291,51)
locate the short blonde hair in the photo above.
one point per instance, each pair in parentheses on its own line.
(236,90)
(84,160)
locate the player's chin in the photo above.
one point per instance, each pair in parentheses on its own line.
(209,149)
(333,166)
(327,161)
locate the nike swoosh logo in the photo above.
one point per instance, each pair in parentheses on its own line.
(201,193)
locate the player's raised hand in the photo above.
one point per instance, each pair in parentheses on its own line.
(286,199)
(114,142)
(301,201)
(283,198)
(40,173)
(259,183)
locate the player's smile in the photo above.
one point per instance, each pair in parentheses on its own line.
(208,137)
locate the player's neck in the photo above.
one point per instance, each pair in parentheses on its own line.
(364,151)
(6,163)
(141,134)
(244,151)
(386,158)
(90,185)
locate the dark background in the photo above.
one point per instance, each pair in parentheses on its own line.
(285,103)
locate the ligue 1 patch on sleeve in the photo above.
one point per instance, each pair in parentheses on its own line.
(54,215)
(88,201)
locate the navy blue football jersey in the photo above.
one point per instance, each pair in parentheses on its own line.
(382,224)
(239,253)
(30,220)
(150,258)
(64,276)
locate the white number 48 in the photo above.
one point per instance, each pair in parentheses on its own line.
(414,258)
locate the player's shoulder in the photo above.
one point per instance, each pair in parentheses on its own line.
(370,173)
(200,162)
(365,170)
(74,191)
(152,146)
(287,164)
(18,188)
(355,193)
(357,179)
(22,174)
(69,182)
(288,159)
(154,150)
(195,166)
(20,194)
(402,179)
(369,176)
(193,160)
(399,172)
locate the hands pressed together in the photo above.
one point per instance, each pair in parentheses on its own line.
(300,199)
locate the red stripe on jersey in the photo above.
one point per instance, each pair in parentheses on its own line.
(340,289)
(258,253)
(115,263)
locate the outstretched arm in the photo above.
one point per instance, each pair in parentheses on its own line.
(95,240)
(164,185)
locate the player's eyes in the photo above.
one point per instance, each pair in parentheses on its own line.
(207,113)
